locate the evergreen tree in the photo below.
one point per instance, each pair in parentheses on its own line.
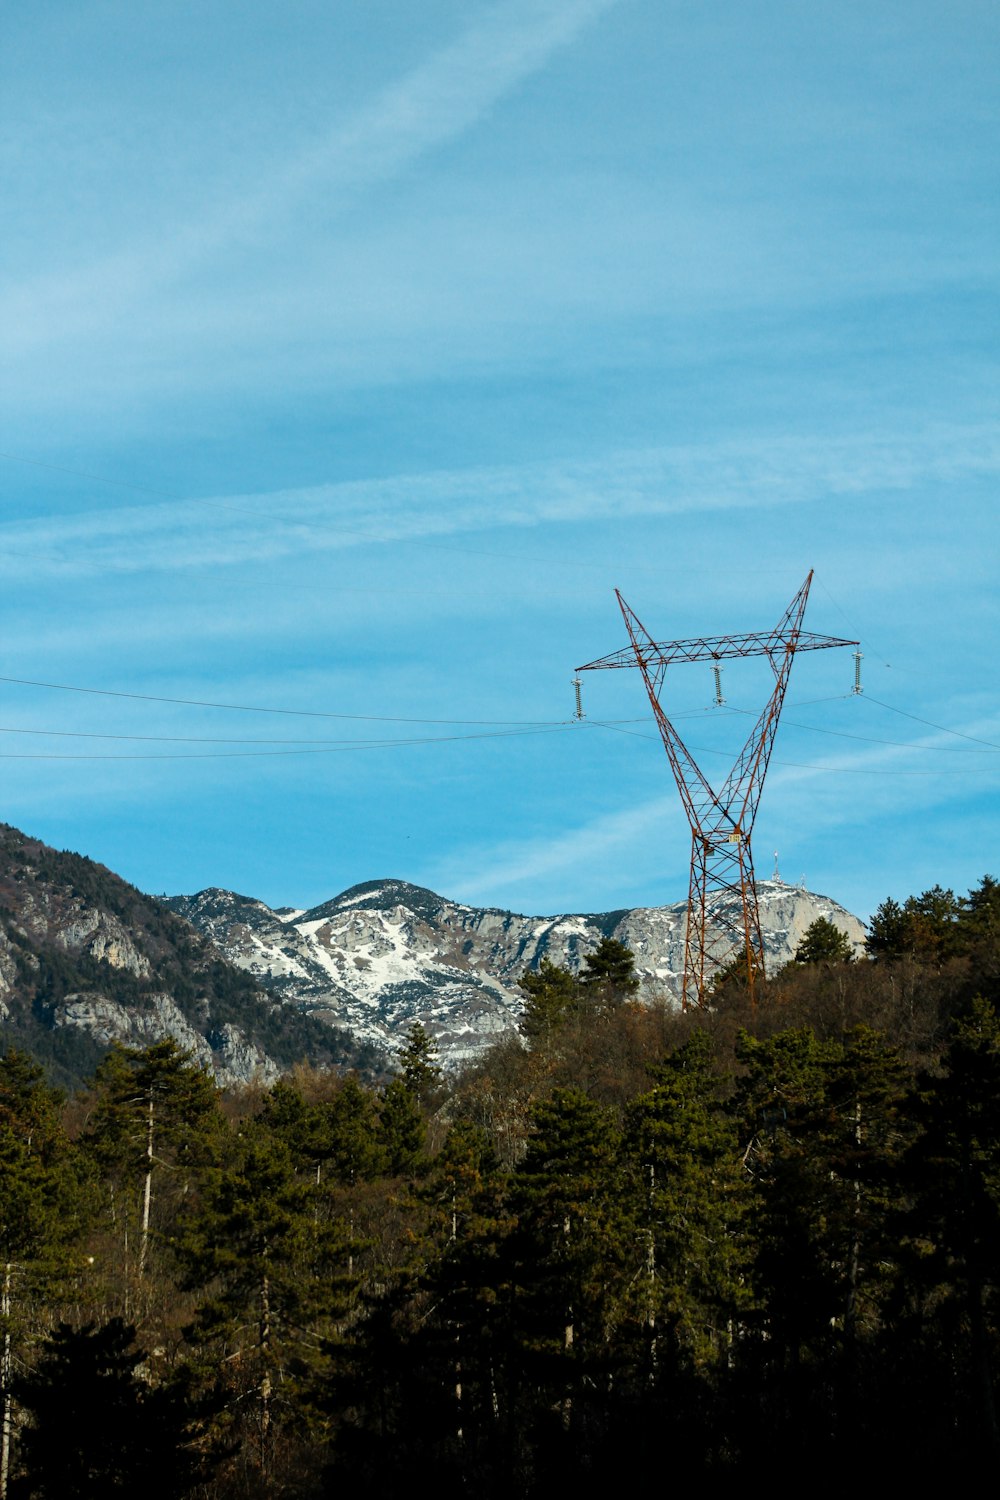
(418,1064)
(96,1427)
(824,943)
(41,1202)
(823,1141)
(925,927)
(609,976)
(154,1125)
(553,994)
(272,1278)
(954,1232)
(426,1375)
(567,1266)
(887,931)
(693,1197)
(350,1127)
(979,932)
(401,1130)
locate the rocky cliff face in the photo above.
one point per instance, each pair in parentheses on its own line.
(87,960)
(385,954)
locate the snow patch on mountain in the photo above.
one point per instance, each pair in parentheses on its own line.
(385,954)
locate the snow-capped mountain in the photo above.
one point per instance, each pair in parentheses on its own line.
(385,954)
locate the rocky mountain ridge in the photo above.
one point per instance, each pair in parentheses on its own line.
(384,954)
(87,960)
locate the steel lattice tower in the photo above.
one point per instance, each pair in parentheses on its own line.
(721,822)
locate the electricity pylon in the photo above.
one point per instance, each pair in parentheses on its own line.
(721,822)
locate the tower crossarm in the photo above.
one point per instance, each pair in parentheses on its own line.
(714,648)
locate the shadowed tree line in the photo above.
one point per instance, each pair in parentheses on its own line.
(628,1244)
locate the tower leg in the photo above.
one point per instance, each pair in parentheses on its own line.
(719,930)
(693,985)
(752,936)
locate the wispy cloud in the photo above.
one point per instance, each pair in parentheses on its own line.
(436,102)
(497,875)
(431,508)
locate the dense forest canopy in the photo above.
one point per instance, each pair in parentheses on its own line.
(759,1239)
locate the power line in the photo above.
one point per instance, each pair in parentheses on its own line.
(852,625)
(931,725)
(336,749)
(796,764)
(202,739)
(843,734)
(254,708)
(65,687)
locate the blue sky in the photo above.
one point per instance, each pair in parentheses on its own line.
(351,357)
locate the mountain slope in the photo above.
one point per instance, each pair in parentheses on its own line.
(385,954)
(86,960)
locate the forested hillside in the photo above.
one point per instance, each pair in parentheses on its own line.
(632,1244)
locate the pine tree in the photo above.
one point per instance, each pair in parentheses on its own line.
(954,1230)
(351,1130)
(401,1130)
(567,1260)
(96,1427)
(925,927)
(693,1198)
(979,931)
(824,943)
(823,1139)
(272,1278)
(41,1211)
(418,1065)
(426,1374)
(609,978)
(154,1125)
(887,931)
(553,994)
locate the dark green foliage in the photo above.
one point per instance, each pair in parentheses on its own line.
(96,1427)
(401,1129)
(639,1246)
(692,1196)
(570,1250)
(979,932)
(351,1130)
(824,943)
(42,1205)
(272,1272)
(418,1065)
(553,995)
(954,1228)
(41,1197)
(925,927)
(824,1134)
(887,931)
(609,975)
(154,1129)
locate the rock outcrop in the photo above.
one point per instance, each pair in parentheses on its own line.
(385,954)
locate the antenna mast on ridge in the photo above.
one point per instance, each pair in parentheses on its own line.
(721,822)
